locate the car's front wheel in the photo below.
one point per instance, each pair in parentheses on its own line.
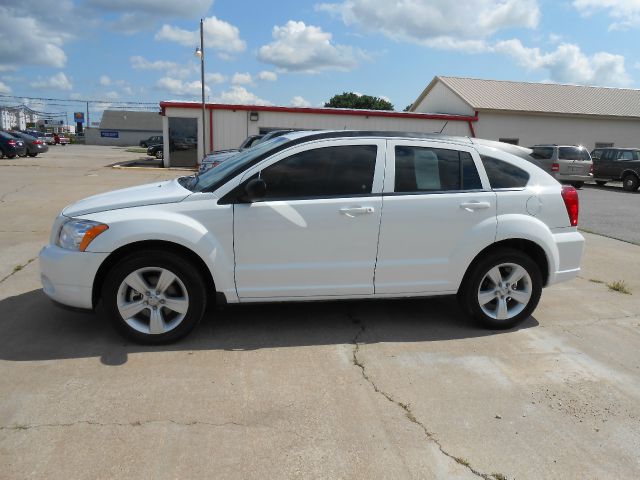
(154,297)
(577,185)
(630,182)
(159,155)
(34,154)
(601,182)
(502,289)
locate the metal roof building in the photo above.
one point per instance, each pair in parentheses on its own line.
(531,113)
(226,126)
(124,128)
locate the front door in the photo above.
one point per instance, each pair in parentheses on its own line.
(315,233)
(437,214)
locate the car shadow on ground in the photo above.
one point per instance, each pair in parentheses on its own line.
(616,187)
(33,329)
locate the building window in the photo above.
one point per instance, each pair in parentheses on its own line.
(512,141)
(603,145)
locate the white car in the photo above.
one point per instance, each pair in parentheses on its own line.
(321,216)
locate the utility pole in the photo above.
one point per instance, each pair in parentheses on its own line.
(200,53)
(88,124)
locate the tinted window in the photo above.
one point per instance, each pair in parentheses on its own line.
(573,153)
(596,154)
(504,175)
(542,153)
(420,169)
(625,155)
(322,172)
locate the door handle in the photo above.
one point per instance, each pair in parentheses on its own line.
(471,206)
(353,211)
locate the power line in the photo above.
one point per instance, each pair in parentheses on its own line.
(68,100)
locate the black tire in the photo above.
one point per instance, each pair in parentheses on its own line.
(630,182)
(577,185)
(602,183)
(11,155)
(33,154)
(190,278)
(159,154)
(475,278)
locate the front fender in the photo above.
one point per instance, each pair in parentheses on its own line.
(207,233)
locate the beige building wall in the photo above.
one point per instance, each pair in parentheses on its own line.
(532,129)
(441,99)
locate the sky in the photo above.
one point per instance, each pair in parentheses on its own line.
(301,53)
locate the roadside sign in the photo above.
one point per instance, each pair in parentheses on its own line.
(109,134)
(78,117)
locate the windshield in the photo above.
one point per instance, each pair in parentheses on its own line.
(216,176)
(573,153)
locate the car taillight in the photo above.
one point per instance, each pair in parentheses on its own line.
(591,169)
(555,167)
(37,142)
(12,143)
(570,197)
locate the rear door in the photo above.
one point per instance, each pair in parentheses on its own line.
(621,162)
(574,161)
(438,210)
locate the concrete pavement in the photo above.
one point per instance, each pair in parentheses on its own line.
(403,388)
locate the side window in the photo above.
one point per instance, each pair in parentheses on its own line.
(596,154)
(422,169)
(322,172)
(504,175)
(625,155)
(608,155)
(542,153)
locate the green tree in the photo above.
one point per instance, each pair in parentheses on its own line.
(408,107)
(353,100)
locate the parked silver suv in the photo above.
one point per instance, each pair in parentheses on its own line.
(566,163)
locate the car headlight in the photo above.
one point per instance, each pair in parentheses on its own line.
(78,234)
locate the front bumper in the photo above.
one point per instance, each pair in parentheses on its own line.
(570,246)
(67,276)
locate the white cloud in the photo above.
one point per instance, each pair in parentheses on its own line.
(299,101)
(105,80)
(268,76)
(4,88)
(305,48)
(438,24)
(624,13)
(59,81)
(140,63)
(138,15)
(30,35)
(214,78)
(241,78)
(177,87)
(240,95)
(568,64)
(218,34)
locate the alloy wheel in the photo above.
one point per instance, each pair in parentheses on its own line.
(505,291)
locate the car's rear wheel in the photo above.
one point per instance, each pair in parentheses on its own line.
(577,185)
(34,154)
(630,182)
(159,155)
(502,289)
(601,182)
(154,297)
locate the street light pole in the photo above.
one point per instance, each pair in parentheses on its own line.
(201,55)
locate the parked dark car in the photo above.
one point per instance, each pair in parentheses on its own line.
(617,164)
(11,146)
(156,151)
(34,145)
(155,140)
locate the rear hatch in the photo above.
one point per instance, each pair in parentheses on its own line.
(574,161)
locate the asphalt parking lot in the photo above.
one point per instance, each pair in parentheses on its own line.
(385,389)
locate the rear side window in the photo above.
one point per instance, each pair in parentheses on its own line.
(422,169)
(542,153)
(596,154)
(504,175)
(573,153)
(322,172)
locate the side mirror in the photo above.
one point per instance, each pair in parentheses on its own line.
(255,189)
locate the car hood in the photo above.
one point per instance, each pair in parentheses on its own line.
(151,194)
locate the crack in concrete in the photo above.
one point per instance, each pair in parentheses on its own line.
(18,268)
(4,195)
(137,423)
(405,407)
